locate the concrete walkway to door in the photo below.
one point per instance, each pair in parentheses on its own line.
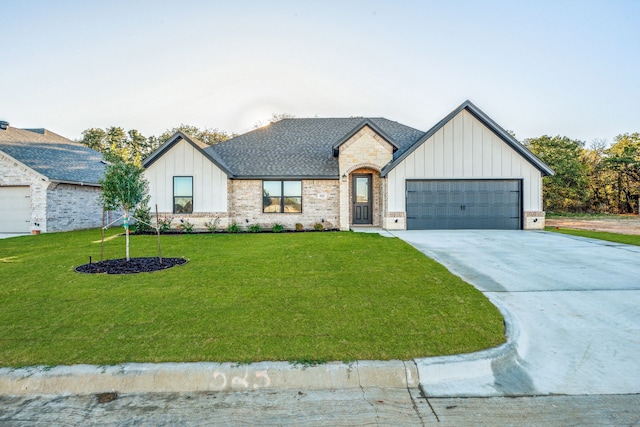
(572,306)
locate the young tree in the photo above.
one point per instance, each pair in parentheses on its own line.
(123,186)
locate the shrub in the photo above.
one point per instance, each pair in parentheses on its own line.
(318,226)
(185,226)
(142,217)
(255,228)
(299,227)
(277,228)
(212,224)
(164,224)
(233,228)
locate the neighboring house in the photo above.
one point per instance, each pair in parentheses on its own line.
(465,172)
(47,182)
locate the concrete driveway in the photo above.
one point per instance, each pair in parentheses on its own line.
(572,308)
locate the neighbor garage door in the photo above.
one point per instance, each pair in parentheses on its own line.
(15,209)
(464,204)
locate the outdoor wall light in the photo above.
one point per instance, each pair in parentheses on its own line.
(344,177)
(4,125)
(396,220)
(246,220)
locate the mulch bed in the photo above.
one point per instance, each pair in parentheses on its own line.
(134,265)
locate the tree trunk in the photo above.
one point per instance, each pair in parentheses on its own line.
(126,228)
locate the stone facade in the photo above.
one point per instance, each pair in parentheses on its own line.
(73,207)
(365,152)
(534,221)
(319,205)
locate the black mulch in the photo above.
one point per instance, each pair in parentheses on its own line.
(134,265)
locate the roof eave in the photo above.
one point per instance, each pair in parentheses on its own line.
(286,177)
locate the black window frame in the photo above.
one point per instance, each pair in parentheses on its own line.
(181,196)
(282,196)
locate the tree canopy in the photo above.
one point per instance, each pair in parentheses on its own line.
(596,179)
(132,147)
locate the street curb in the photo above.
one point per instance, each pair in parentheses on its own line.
(473,374)
(205,376)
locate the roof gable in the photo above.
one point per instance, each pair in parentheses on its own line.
(358,128)
(485,120)
(200,146)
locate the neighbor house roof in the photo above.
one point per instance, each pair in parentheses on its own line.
(302,148)
(53,156)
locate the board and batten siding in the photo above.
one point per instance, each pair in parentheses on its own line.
(464,148)
(209,182)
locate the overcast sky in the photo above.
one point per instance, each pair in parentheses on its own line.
(536,67)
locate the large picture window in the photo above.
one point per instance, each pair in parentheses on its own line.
(282,196)
(183,194)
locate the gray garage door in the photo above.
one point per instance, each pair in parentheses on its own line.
(15,209)
(464,204)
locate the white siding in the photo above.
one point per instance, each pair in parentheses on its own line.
(463,149)
(209,182)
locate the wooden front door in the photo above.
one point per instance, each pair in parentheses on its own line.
(362,199)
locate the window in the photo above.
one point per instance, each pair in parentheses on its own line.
(282,196)
(182,194)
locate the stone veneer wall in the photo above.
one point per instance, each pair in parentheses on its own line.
(320,201)
(534,220)
(73,207)
(366,150)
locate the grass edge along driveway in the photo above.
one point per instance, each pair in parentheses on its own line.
(627,239)
(241,298)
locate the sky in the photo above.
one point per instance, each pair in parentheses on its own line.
(569,68)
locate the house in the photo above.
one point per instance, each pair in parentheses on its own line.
(47,182)
(465,172)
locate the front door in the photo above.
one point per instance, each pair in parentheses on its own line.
(362,199)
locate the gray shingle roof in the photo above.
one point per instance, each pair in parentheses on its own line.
(57,158)
(300,148)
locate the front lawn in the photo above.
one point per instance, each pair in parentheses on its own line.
(240,298)
(628,239)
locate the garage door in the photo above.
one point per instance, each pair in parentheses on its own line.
(464,204)
(15,209)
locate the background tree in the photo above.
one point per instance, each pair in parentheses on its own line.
(116,144)
(623,160)
(124,187)
(209,136)
(567,190)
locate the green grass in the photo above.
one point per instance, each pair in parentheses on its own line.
(240,298)
(628,239)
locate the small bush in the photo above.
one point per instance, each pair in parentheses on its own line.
(212,224)
(164,224)
(233,228)
(185,226)
(318,226)
(142,217)
(299,227)
(255,228)
(277,228)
